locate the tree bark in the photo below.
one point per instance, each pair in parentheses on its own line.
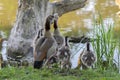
(31,17)
(67,6)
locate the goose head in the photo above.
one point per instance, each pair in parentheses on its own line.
(56,16)
(50,19)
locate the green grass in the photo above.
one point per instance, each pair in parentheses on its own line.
(105,44)
(56,74)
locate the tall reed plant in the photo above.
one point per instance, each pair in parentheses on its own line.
(104,45)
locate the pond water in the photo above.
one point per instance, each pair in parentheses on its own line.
(75,23)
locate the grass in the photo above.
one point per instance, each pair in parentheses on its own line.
(56,74)
(104,45)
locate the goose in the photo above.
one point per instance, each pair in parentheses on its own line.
(87,58)
(58,37)
(61,57)
(64,54)
(47,46)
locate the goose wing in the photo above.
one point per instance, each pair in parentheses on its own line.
(39,42)
(42,50)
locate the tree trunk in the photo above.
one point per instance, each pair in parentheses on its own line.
(31,17)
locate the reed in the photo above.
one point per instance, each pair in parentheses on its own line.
(105,44)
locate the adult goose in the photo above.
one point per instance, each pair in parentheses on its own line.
(47,46)
(58,37)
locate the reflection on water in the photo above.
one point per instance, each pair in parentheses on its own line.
(75,23)
(2,34)
(4,49)
(83,18)
(117,2)
(2,38)
(76,50)
(79,22)
(7,11)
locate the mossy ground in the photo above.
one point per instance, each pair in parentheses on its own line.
(29,73)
